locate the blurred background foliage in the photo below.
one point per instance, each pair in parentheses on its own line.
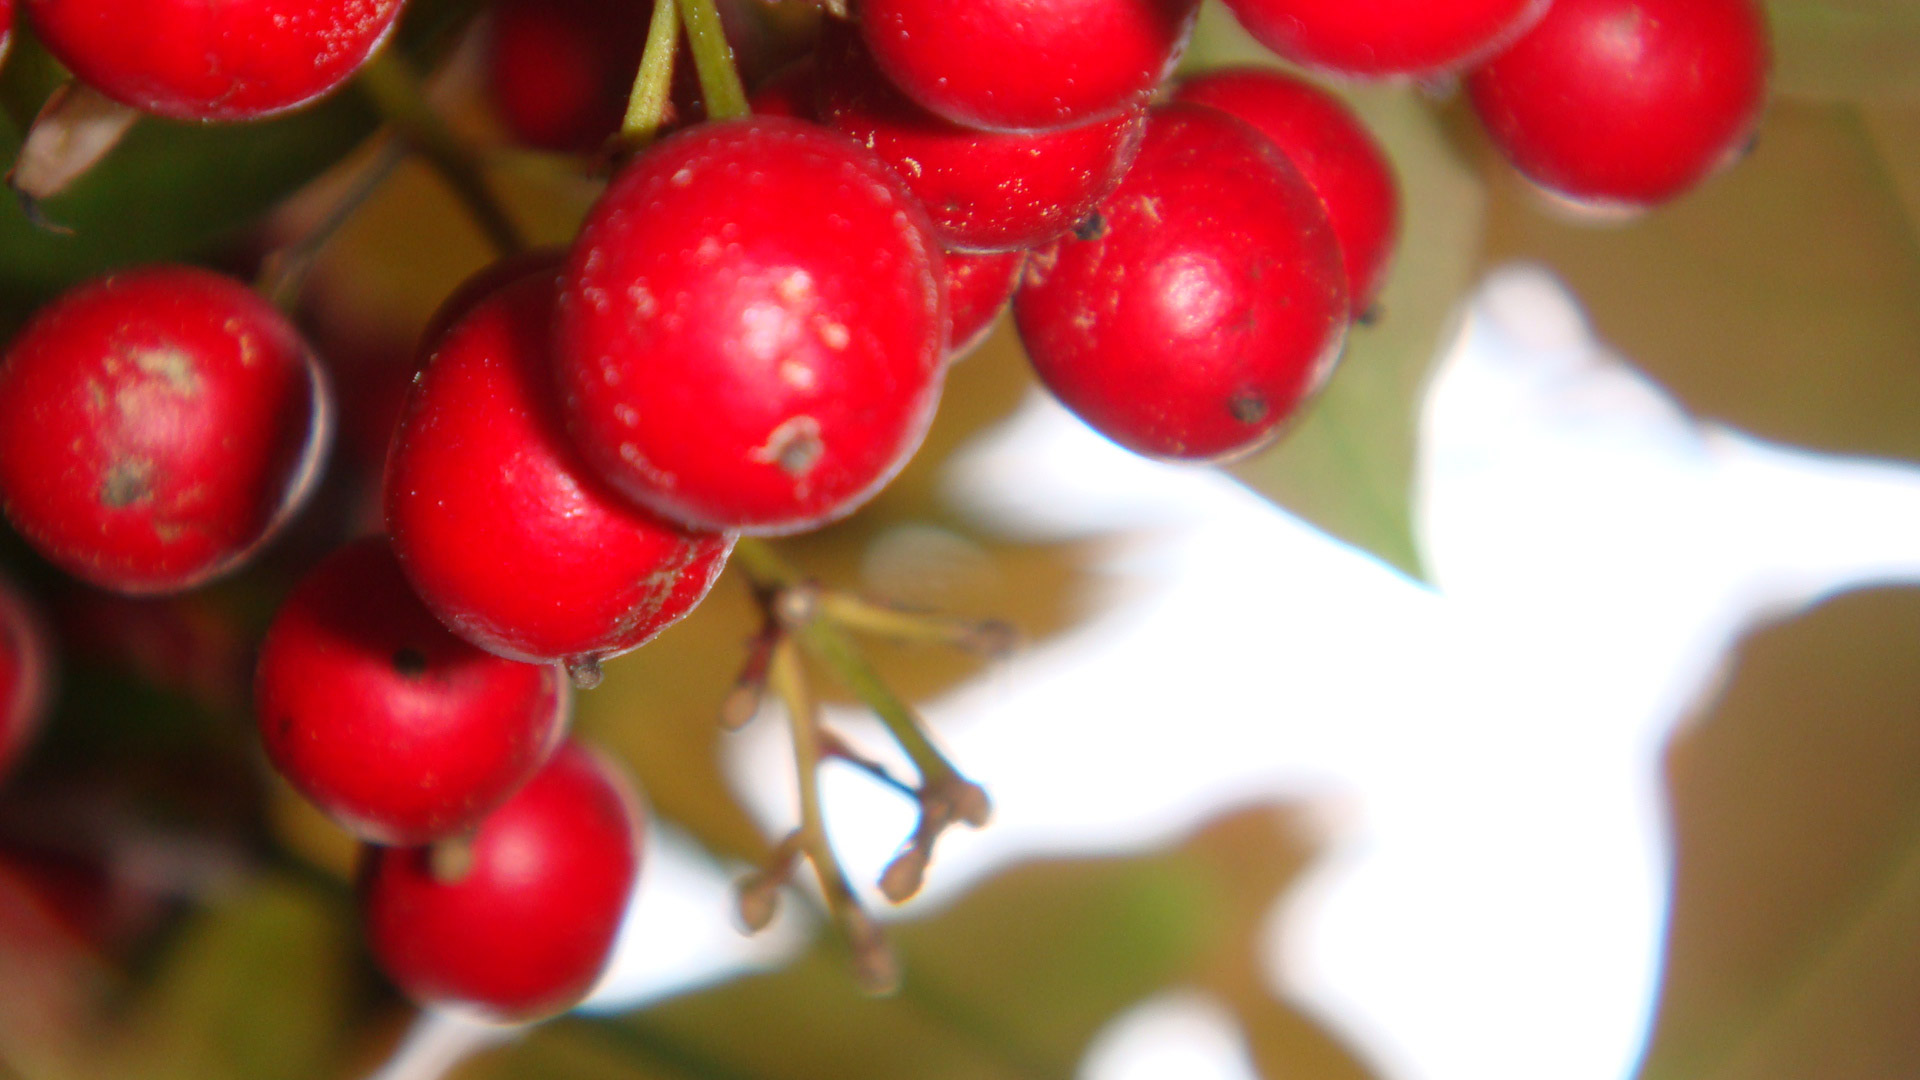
(165,911)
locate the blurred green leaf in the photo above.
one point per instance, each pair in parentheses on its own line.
(1782,296)
(1794,944)
(166,192)
(255,988)
(1347,467)
(1012,981)
(1846,50)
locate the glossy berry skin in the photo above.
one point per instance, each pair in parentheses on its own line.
(984,190)
(397,729)
(1376,38)
(156,426)
(26,675)
(6,27)
(751,326)
(1332,150)
(1026,64)
(504,532)
(1627,103)
(558,71)
(978,287)
(530,925)
(213,59)
(1206,307)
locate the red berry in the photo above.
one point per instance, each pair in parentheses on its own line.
(1026,64)
(1386,37)
(984,190)
(398,730)
(6,27)
(751,327)
(1627,103)
(978,287)
(1331,149)
(213,59)
(505,533)
(786,92)
(559,71)
(1207,304)
(527,928)
(26,674)
(156,426)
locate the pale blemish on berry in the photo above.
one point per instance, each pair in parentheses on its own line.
(172,367)
(833,335)
(129,481)
(795,446)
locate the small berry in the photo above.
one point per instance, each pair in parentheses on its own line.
(523,929)
(1627,103)
(978,288)
(1209,303)
(6,27)
(213,59)
(26,675)
(984,190)
(559,71)
(156,426)
(1332,150)
(751,327)
(1027,64)
(504,532)
(398,730)
(786,92)
(1373,38)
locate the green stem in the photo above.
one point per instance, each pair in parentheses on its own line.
(647,104)
(836,650)
(286,269)
(395,91)
(832,647)
(872,958)
(713,59)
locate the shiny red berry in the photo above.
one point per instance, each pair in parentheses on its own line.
(1372,38)
(26,674)
(6,27)
(1331,148)
(397,729)
(1203,307)
(751,327)
(1026,64)
(156,426)
(523,929)
(213,59)
(504,532)
(978,288)
(984,190)
(1627,103)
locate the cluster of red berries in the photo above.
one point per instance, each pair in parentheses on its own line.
(747,337)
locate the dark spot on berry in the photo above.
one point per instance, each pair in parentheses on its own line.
(128,482)
(1248,407)
(409,662)
(1091,227)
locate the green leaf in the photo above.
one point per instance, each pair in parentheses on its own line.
(166,192)
(1347,467)
(1794,945)
(255,988)
(1846,50)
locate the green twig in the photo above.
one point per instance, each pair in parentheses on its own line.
(395,91)
(285,270)
(713,59)
(647,104)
